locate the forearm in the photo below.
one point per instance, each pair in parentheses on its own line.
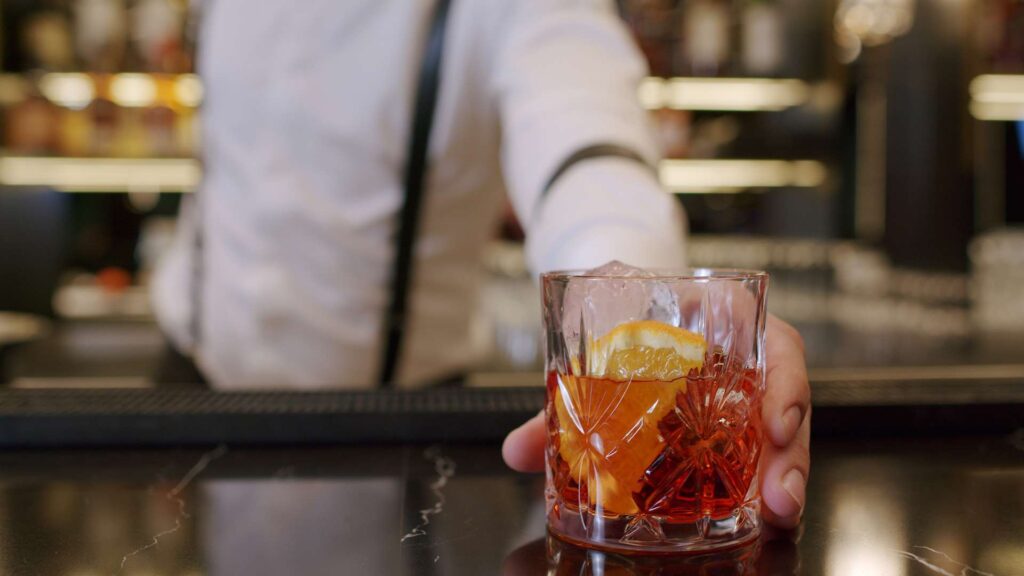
(566,80)
(607,209)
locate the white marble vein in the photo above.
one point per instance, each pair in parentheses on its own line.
(922,561)
(445,468)
(965,570)
(930,564)
(174,495)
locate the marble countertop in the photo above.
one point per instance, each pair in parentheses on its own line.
(882,506)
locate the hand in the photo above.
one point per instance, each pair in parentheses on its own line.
(786,413)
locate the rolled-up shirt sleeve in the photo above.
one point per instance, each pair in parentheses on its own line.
(566,77)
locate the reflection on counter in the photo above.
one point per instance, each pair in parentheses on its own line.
(768,556)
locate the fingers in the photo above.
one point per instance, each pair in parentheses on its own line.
(786,460)
(784,478)
(788,394)
(523,449)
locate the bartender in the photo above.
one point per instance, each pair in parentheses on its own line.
(321,252)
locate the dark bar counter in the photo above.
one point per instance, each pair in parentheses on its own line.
(876,506)
(917,469)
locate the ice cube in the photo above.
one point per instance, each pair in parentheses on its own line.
(662,303)
(619,269)
(592,307)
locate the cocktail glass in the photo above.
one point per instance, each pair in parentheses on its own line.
(654,387)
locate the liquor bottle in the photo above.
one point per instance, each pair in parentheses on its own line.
(157,27)
(159,122)
(31,126)
(131,139)
(105,124)
(763,38)
(187,132)
(100,34)
(45,37)
(1011,54)
(651,23)
(673,129)
(74,132)
(706,40)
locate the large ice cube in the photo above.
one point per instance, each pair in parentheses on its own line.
(662,303)
(619,269)
(609,295)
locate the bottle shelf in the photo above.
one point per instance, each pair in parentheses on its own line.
(76,90)
(85,175)
(724,94)
(100,174)
(998,97)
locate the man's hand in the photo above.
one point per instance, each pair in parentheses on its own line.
(785,459)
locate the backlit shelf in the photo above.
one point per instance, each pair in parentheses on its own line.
(998,97)
(77,90)
(139,175)
(724,94)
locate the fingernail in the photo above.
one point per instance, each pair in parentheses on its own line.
(790,423)
(795,485)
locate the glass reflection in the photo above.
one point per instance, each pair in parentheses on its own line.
(867,522)
(774,554)
(300,526)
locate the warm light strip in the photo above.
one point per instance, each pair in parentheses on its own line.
(101,174)
(71,90)
(997,97)
(998,88)
(1008,112)
(727,94)
(182,175)
(730,176)
(188,88)
(77,90)
(133,90)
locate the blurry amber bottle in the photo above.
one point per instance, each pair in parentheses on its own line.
(45,40)
(158,35)
(159,122)
(673,130)
(101,34)
(763,38)
(75,132)
(31,126)
(105,121)
(706,47)
(652,24)
(131,139)
(186,132)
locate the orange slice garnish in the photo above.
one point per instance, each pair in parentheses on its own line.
(646,350)
(608,420)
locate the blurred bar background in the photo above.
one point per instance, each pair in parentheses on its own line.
(868,153)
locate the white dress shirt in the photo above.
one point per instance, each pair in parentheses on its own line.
(306,121)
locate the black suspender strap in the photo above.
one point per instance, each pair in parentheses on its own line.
(196,276)
(414,181)
(604,150)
